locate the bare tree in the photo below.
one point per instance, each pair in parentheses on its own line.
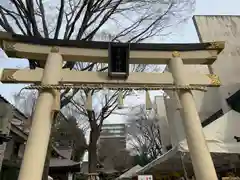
(112,20)
(144,136)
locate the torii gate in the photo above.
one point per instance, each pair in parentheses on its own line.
(52,77)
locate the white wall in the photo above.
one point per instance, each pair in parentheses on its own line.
(227,67)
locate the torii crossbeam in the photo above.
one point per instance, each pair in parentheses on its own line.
(91,51)
(51,53)
(152,81)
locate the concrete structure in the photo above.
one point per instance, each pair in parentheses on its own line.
(213,103)
(215,107)
(224,28)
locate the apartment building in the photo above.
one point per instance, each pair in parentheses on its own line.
(112,140)
(113,134)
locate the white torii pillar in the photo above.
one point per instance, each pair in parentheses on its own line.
(37,143)
(201,159)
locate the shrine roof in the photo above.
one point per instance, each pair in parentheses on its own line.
(64,165)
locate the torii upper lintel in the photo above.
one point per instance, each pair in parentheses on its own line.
(95,51)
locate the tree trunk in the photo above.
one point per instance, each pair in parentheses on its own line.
(49,150)
(92,151)
(47,162)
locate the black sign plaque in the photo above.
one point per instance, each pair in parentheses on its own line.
(118,62)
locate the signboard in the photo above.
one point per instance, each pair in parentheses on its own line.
(145,177)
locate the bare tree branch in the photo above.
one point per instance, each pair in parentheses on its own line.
(144,135)
(31,17)
(43,17)
(109,20)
